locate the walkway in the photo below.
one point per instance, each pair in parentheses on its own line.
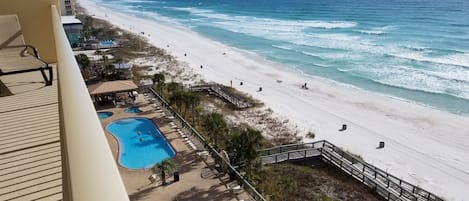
(222,93)
(385,184)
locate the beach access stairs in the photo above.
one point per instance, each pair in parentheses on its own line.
(219,91)
(386,185)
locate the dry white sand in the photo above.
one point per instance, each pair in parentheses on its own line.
(424,146)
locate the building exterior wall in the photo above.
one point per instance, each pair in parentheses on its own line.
(36,24)
(67,7)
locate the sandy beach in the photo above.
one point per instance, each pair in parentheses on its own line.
(424,146)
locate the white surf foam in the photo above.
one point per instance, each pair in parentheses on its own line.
(283,47)
(422,80)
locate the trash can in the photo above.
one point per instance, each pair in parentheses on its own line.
(381,145)
(176,176)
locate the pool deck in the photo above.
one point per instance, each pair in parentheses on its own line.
(197,181)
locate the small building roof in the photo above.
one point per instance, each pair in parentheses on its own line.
(112,87)
(122,66)
(70,20)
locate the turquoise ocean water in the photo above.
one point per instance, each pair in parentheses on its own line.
(416,50)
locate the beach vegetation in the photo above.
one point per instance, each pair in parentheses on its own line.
(172,86)
(310,134)
(192,100)
(164,168)
(322,182)
(216,127)
(137,74)
(105,60)
(118,60)
(159,82)
(357,156)
(84,62)
(243,146)
(177,99)
(86,28)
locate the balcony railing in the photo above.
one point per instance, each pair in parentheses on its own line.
(89,169)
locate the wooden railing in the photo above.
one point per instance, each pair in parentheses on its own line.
(387,185)
(202,143)
(220,92)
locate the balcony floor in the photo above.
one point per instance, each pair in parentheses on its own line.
(30,158)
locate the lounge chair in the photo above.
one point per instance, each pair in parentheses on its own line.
(203,154)
(15,55)
(235,187)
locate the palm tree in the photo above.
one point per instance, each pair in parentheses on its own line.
(110,71)
(119,61)
(84,62)
(193,100)
(159,79)
(137,75)
(243,146)
(105,59)
(87,28)
(177,98)
(163,168)
(190,100)
(197,112)
(172,86)
(216,126)
(185,96)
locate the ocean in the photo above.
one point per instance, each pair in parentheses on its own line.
(416,50)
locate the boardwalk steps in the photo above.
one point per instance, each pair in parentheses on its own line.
(385,184)
(222,93)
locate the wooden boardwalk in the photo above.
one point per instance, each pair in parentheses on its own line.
(220,92)
(385,184)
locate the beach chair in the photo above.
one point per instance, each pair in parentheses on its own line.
(15,55)
(235,187)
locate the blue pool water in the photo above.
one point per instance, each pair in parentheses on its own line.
(133,110)
(413,49)
(104,115)
(141,145)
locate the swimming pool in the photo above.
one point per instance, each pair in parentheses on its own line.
(104,115)
(141,145)
(132,110)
